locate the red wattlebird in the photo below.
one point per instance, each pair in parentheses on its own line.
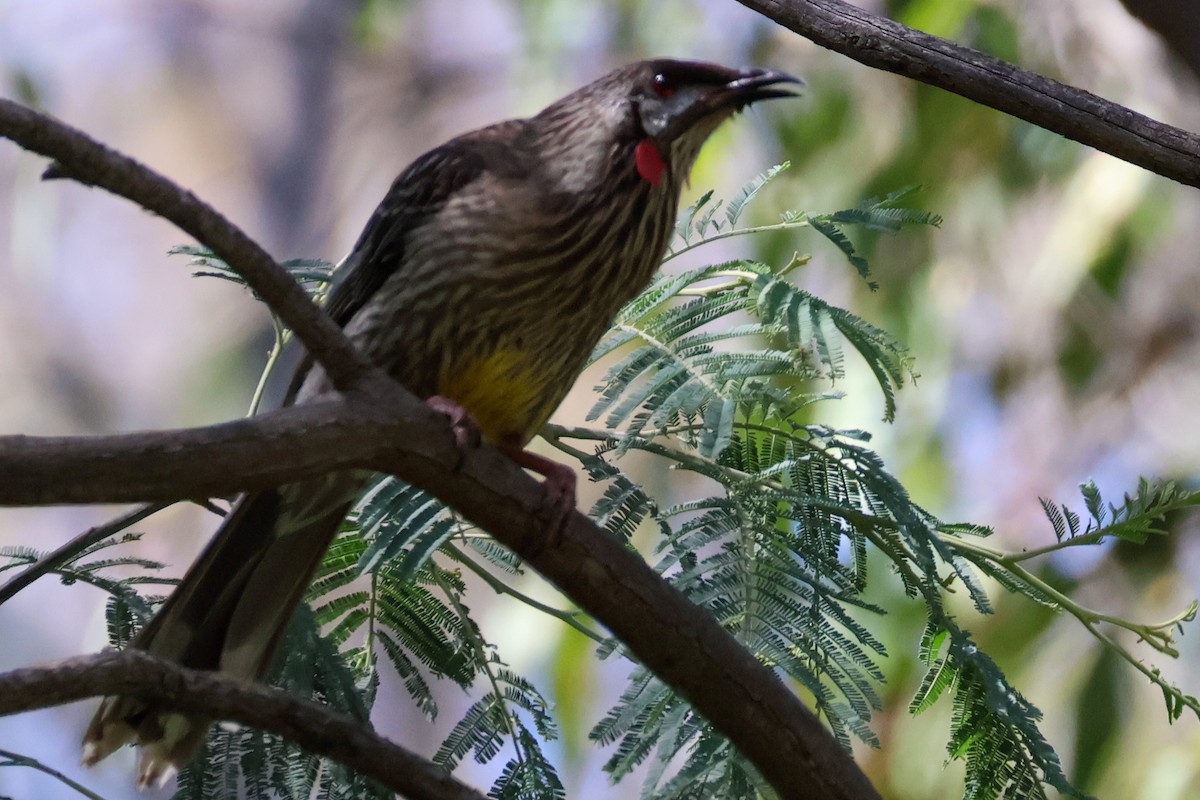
(482,283)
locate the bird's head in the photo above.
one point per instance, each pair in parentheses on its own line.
(656,114)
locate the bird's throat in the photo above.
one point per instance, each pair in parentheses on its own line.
(650,163)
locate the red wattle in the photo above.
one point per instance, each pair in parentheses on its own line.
(650,164)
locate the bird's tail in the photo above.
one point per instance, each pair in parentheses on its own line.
(228,613)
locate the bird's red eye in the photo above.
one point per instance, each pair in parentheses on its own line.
(663,86)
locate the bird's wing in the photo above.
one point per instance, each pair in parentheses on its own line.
(416,195)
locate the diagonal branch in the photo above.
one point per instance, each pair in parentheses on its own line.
(79,157)
(309,724)
(1066,110)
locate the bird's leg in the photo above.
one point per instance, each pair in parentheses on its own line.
(559,486)
(466,429)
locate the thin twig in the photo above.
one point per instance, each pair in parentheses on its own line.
(61,555)
(500,587)
(18,760)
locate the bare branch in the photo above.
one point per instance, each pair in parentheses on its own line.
(1074,113)
(79,157)
(307,723)
(268,450)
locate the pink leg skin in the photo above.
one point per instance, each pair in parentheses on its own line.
(559,499)
(466,429)
(559,486)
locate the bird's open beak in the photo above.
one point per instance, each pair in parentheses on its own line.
(756,84)
(748,86)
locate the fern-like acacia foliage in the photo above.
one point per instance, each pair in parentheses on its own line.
(713,371)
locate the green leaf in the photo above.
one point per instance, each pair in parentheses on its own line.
(737,206)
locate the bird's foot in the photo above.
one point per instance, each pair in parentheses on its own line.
(558,500)
(462,423)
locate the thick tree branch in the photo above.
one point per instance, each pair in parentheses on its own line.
(309,724)
(1073,113)
(378,428)
(681,643)
(80,158)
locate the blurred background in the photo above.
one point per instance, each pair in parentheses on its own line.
(1054,317)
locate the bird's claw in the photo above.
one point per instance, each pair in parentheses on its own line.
(462,424)
(558,499)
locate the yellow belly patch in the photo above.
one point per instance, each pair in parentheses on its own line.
(502,391)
